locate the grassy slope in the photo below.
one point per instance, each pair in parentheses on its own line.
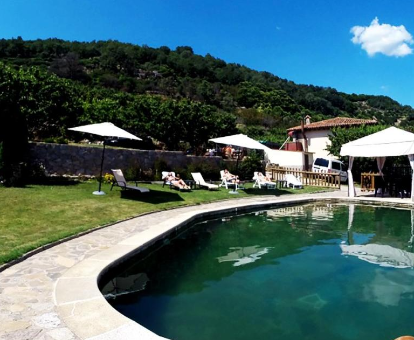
(39,214)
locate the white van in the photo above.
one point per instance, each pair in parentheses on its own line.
(330,165)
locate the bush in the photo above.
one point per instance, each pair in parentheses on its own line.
(15,175)
(147,175)
(108,178)
(36,172)
(133,172)
(210,171)
(57,140)
(253,162)
(183,172)
(160,166)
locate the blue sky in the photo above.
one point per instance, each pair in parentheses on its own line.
(308,42)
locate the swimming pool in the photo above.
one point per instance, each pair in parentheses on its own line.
(315,271)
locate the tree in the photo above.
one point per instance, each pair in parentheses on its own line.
(165,78)
(248,95)
(341,136)
(13,130)
(68,66)
(51,104)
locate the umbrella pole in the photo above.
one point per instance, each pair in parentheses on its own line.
(99,192)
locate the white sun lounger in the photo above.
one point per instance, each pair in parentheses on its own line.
(292,181)
(164,176)
(122,183)
(225,182)
(259,182)
(198,178)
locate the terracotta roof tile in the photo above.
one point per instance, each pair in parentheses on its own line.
(334,122)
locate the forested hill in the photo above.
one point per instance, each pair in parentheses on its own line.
(154,90)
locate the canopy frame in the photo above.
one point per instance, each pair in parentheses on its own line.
(386,143)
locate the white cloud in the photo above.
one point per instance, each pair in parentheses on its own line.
(383,38)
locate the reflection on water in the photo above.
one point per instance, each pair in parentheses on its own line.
(312,271)
(121,285)
(389,288)
(243,255)
(383,255)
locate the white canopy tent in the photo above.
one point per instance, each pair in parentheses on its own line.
(105,130)
(382,144)
(240,140)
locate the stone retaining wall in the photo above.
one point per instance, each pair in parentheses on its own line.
(62,159)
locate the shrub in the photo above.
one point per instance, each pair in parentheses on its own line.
(210,171)
(147,175)
(160,166)
(57,140)
(253,162)
(133,172)
(183,172)
(108,178)
(15,175)
(36,172)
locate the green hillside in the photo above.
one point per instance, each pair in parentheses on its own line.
(175,96)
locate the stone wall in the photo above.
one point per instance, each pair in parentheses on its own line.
(62,159)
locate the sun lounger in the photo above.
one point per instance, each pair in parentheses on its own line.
(292,181)
(261,182)
(164,176)
(225,182)
(122,183)
(198,179)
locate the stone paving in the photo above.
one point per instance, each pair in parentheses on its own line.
(27,306)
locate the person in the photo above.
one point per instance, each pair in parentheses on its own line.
(209,152)
(263,178)
(228,151)
(230,177)
(176,181)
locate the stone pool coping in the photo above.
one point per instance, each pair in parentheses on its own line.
(55,295)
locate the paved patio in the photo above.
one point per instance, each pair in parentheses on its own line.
(52,295)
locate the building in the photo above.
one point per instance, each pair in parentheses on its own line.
(310,141)
(314,137)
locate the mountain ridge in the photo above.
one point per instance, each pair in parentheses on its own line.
(262,104)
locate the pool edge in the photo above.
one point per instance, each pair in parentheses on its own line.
(84,309)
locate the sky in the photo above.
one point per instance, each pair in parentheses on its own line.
(363,47)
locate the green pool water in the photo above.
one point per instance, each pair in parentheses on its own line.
(303,272)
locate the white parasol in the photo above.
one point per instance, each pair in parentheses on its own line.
(105,130)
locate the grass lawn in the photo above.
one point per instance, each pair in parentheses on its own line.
(39,214)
